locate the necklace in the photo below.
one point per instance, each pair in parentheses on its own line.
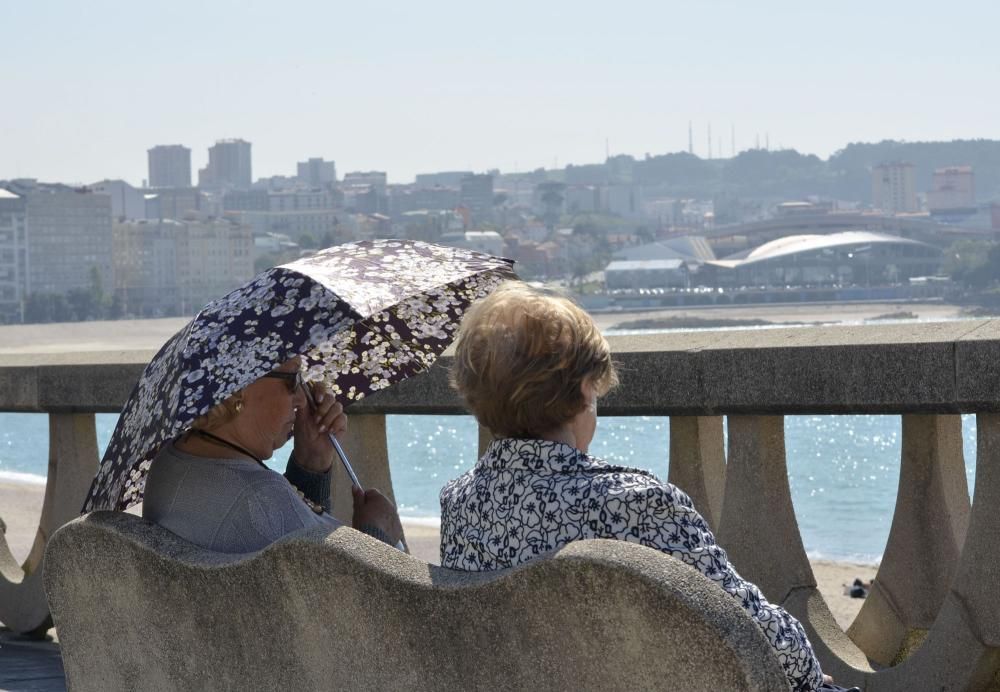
(314,506)
(226,443)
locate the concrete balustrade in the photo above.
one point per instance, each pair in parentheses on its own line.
(698,463)
(933,618)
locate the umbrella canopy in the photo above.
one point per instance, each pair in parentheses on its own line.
(362,315)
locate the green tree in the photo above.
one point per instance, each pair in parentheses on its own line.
(973,263)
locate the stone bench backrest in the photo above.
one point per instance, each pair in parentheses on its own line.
(136,607)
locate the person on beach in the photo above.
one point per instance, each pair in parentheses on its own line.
(210,486)
(530,366)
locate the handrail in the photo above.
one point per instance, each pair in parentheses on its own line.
(817,370)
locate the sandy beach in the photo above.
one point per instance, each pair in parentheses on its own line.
(125,335)
(20,507)
(802,313)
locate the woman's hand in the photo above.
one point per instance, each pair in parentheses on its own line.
(313,450)
(372,508)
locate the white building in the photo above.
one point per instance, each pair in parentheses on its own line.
(893,188)
(489,242)
(68,237)
(169,267)
(127,202)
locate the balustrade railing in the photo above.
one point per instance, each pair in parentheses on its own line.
(932,619)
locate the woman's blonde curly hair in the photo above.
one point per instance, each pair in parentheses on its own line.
(521,357)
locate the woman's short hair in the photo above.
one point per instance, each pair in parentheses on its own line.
(521,357)
(220,414)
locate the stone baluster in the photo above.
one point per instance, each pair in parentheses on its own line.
(925,541)
(698,463)
(367,447)
(962,649)
(761,535)
(72,464)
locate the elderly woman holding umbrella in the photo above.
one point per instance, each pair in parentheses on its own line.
(235,384)
(211,486)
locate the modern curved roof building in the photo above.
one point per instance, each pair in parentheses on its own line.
(847,258)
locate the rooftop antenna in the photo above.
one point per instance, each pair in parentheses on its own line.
(690,138)
(607,149)
(767,141)
(732,144)
(710,140)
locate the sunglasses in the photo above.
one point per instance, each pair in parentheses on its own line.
(293,380)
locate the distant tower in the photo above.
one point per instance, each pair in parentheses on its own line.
(732,143)
(690,138)
(228,166)
(893,187)
(767,141)
(169,166)
(710,140)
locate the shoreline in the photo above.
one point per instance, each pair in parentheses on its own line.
(151,334)
(21,505)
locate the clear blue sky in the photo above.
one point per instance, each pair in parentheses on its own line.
(411,87)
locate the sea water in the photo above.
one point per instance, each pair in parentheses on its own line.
(843,470)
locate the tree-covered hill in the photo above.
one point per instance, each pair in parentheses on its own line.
(789,174)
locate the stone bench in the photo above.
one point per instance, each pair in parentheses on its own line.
(136,607)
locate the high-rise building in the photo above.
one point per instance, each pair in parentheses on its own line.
(13,256)
(228,166)
(169,166)
(317,173)
(69,236)
(476,195)
(893,189)
(953,188)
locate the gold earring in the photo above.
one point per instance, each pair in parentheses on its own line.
(239,406)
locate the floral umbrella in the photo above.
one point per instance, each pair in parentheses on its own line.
(362,315)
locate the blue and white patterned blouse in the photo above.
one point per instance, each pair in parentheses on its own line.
(524,498)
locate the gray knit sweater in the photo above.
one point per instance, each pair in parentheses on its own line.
(231,505)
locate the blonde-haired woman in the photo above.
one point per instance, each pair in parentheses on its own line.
(530,365)
(211,487)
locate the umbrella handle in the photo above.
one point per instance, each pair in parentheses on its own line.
(347,464)
(336,445)
(400,545)
(343,456)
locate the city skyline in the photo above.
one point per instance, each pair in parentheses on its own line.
(445,86)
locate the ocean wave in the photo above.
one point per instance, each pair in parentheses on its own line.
(432,522)
(866,559)
(24,478)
